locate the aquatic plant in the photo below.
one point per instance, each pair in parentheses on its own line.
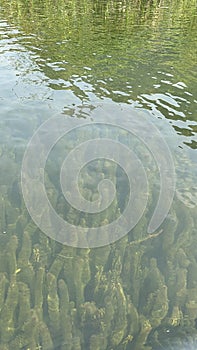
(126,295)
(92,299)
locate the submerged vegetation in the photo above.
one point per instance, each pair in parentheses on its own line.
(138,293)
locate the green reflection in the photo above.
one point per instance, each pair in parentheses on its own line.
(126,50)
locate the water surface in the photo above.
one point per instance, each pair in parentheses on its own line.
(66,58)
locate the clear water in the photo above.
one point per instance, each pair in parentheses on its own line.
(66,58)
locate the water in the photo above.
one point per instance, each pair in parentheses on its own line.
(117,62)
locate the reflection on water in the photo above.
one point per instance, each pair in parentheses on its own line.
(64,57)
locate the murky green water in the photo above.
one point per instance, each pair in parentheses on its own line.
(67,58)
